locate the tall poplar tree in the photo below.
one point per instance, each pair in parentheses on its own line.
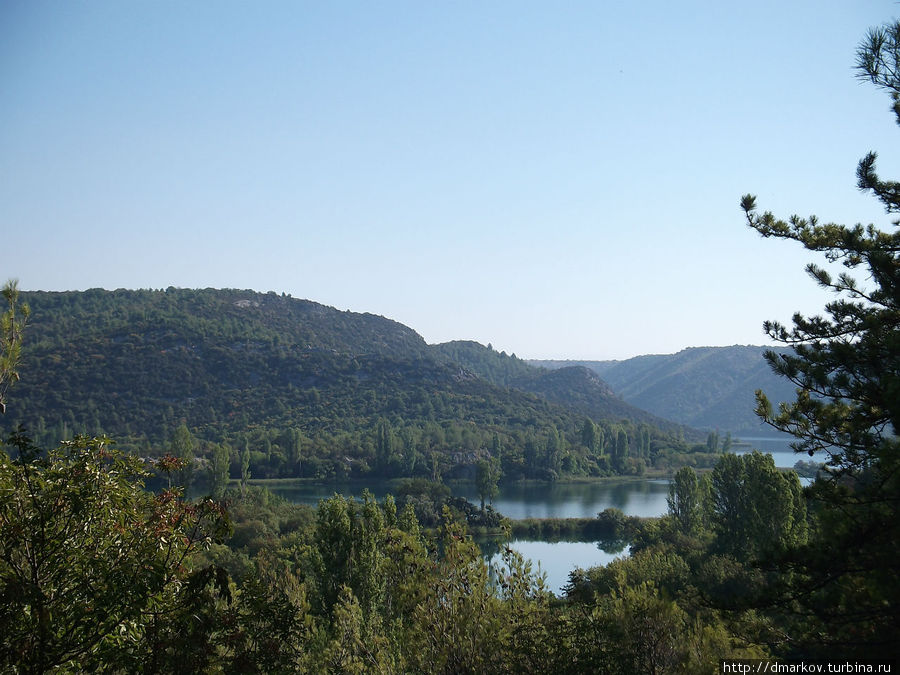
(487,479)
(182,447)
(221,461)
(687,501)
(245,467)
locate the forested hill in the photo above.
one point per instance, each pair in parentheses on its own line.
(572,385)
(351,393)
(703,387)
(176,318)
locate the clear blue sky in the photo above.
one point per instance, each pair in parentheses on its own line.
(559,179)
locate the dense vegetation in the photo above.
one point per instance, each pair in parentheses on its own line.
(98,574)
(702,387)
(309,391)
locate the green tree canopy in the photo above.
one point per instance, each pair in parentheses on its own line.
(12,323)
(687,501)
(487,479)
(756,510)
(91,565)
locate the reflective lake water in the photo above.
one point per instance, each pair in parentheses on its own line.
(779,448)
(556,559)
(637,497)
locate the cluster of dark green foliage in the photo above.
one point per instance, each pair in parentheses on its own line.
(611,528)
(309,391)
(12,323)
(429,502)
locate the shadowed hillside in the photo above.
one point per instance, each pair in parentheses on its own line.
(573,385)
(703,387)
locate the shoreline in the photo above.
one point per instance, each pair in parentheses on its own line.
(572,480)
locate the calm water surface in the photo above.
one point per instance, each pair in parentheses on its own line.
(639,497)
(554,560)
(779,448)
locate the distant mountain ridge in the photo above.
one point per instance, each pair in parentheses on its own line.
(702,387)
(574,385)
